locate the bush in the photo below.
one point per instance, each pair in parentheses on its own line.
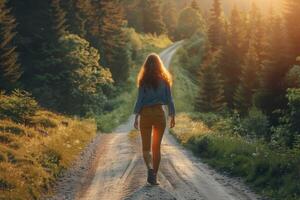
(19,106)
(44,122)
(50,160)
(11,129)
(208,119)
(288,132)
(202,145)
(292,78)
(256,124)
(189,22)
(293,96)
(5,185)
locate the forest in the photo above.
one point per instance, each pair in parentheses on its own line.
(245,68)
(68,70)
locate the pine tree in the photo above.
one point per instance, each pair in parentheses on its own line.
(112,42)
(132,10)
(41,25)
(256,33)
(75,17)
(59,25)
(291,16)
(248,82)
(232,57)
(81,17)
(211,94)
(189,22)
(9,66)
(216,25)
(152,18)
(170,17)
(271,93)
(195,5)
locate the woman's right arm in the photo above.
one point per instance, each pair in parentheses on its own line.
(171,107)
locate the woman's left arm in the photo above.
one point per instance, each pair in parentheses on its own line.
(138,106)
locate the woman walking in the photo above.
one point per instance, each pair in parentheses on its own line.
(154,90)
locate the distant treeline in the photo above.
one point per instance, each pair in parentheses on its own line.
(243,5)
(249,65)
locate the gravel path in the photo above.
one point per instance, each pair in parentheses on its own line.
(112,168)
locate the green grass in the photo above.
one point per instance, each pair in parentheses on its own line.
(32,156)
(270,172)
(184,89)
(107,122)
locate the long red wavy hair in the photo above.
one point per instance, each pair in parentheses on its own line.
(152,71)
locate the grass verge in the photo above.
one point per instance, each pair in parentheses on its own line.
(184,89)
(272,173)
(32,156)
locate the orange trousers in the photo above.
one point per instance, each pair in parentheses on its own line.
(152,120)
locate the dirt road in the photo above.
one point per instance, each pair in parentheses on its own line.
(116,170)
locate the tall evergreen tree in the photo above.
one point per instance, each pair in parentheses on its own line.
(10,70)
(41,23)
(82,18)
(195,5)
(59,15)
(113,43)
(189,22)
(170,17)
(152,17)
(216,25)
(230,65)
(211,94)
(292,15)
(271,93)
(75,17)
(257,32)
(248,82)
(132,10)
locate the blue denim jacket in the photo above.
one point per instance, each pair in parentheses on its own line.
(150,96)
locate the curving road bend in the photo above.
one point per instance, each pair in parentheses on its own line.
(117,170)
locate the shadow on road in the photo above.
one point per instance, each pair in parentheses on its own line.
(149,192)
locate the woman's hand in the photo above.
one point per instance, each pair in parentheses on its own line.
(136,123)
(172,121)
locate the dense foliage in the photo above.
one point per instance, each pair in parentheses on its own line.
(73,54)
(189,22)
(255,64)
(246,113)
